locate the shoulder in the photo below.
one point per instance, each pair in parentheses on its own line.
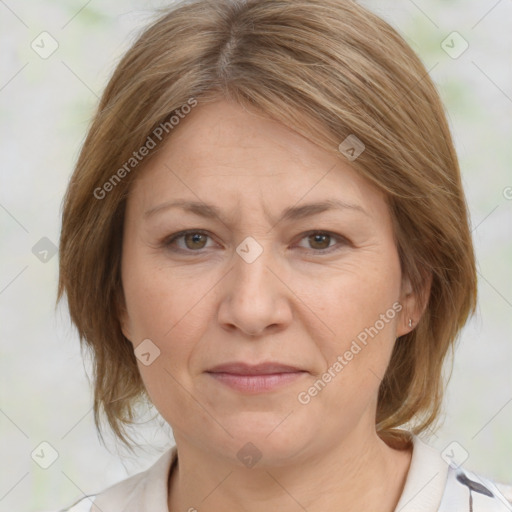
(82,505)
(138,492)
(475,492)
(435,482)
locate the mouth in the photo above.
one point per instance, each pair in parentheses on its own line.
(255,378)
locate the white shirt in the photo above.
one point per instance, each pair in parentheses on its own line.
(432,485)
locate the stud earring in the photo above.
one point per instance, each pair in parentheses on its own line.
(410,322)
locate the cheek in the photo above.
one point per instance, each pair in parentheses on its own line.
(354,298)
(170,309)
(168,312)
(360,305)
(158,300)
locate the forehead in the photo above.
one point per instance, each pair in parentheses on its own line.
(231,134)
(223,153)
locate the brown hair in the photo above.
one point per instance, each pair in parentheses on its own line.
(308,64)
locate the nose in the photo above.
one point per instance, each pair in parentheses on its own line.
(255,299)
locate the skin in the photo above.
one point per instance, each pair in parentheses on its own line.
(301,302)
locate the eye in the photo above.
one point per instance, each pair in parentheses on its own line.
(192,240)
(196,240)
(320,241)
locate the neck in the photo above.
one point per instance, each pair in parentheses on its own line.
(361,472)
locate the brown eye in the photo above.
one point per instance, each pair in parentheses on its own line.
(319,240)
(195,240)
(323,242)
(187,241)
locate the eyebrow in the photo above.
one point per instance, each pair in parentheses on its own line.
(291,213)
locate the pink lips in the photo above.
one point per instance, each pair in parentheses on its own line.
(255,378)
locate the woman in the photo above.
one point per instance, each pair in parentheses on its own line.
(266,236)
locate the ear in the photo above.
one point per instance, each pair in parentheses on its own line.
(413,304)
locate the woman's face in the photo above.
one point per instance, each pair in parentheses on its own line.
(290,260)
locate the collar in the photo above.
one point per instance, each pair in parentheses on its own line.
(426,479)
(147,490)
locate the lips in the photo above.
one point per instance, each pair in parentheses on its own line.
(240,368)
(259,378)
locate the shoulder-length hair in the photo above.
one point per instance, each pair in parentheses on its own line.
(308,64)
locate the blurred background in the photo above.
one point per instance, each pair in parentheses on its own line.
(56,58)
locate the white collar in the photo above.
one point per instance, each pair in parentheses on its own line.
(426,480)
(147,490)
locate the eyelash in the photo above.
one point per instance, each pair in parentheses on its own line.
(167,242)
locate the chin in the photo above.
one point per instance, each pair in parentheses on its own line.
(272,438)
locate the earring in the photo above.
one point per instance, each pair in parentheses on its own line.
(410,322)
